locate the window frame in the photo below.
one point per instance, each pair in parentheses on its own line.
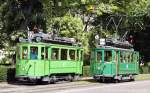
(69,56)
(106,55)
(66,57)
(46,53)
(41,53)
(57,54)
(101,58)
(37,52)
(122,59)
(22,54)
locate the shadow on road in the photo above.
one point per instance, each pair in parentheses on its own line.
(26,83)
(106,81)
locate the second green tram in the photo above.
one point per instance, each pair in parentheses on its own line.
(114,63)
(48,62)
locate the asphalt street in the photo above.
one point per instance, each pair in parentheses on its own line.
(79,87)
(128,87)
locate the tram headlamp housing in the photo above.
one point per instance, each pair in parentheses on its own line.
(102,41)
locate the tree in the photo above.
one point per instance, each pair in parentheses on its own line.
(17,15)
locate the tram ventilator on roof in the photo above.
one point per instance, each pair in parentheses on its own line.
(48,38)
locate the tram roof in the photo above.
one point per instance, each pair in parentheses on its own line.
(114,48)
(47,44)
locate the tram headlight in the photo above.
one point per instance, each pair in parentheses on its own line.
(102,41)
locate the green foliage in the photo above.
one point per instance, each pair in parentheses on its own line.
(142,77)
(72,27)
(106,8)
(86,71)
(145,69)
(17,15)
(3,73)
(71,18)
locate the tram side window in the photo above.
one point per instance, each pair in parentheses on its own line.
(81,58)
(99,56)
(42,53)
(63,54)
(18,52)
(121,57)
(108,56)
(71,55)
(46,53)
(24,52)
(116,56)
(132,58)
(55,54)
(129,58)
(126,57)
(136,57)
(34,53)
(77,55)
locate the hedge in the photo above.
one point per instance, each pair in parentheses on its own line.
(3,73)
(86,71)
(7,73)
(145,69)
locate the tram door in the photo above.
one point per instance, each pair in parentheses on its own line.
(117,61)
(80,64)
(42,63)
(21,56)
(24,63)
(99,63)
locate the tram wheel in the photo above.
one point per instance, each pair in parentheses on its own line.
(131,78)
(52,80)
(70,78)
(76,77)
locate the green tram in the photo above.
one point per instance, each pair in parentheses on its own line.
(39,61)
(114,63)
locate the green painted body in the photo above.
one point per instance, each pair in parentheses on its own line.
(34,68)
(114,67)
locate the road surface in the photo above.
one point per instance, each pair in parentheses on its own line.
(79,87)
